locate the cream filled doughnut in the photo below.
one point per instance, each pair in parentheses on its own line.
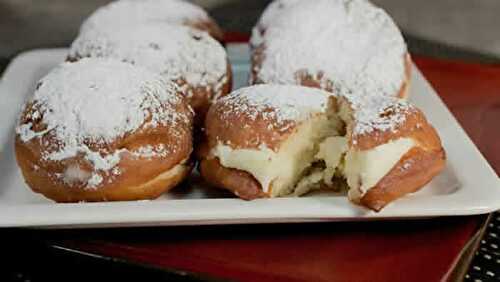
(279,140)
(192,58)
(103,130)
(125,13)
(335,45)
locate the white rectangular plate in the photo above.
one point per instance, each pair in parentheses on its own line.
(467,186)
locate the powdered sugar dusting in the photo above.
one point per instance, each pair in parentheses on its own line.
(277,104)
(94,181)
(407,164)
(132,12)
(379,113)
(96,102)
(176,52)
(149,151)
(350,42)
(274,10)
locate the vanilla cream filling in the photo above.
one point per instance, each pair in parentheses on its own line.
(364,169)
(279,171)
(331,150)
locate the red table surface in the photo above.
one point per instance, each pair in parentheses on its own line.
(416,250)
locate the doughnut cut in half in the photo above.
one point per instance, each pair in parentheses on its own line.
(276,140)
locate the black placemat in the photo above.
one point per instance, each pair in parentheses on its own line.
(486,263)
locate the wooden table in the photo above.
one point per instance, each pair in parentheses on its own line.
(419,250)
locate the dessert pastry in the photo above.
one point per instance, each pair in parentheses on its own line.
(196,61)
(125,13)
(330,44)
(278,140)
(103,130)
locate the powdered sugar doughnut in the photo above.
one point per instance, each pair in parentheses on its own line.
(125,13)
(283,140)
(336,45)
(102,130)
(191,57)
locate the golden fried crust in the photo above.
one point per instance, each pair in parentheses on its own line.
(401,180)
(241,183)
(140,180)
(210,26)
(222,123)
(305,78)
(136,177)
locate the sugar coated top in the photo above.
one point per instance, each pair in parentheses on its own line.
(377,113)
(176,52)
(349,42)
(131,12)
(277,104)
